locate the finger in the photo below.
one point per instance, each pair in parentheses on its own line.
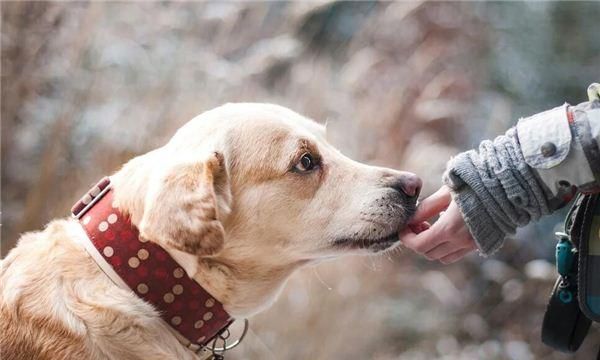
(424,241)
(419,227)
(442,250)
(432,205)
(455,256)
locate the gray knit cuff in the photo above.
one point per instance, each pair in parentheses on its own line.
(487,234)
(496,191)
(488,237)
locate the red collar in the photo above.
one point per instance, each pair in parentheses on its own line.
(148,270)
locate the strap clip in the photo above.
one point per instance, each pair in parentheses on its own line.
(90,198)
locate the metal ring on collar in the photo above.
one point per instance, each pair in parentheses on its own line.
(226,347)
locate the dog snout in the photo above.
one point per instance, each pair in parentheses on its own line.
(408,184)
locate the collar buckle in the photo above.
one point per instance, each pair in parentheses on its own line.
(91,197)
(218,352)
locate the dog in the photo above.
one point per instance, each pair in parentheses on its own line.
(240,197)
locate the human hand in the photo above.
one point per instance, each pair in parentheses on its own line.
(448,239)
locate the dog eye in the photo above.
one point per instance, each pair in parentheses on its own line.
(306,163)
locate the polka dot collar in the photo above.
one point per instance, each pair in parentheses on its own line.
(148,270)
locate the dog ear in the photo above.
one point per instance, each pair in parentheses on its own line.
(182,207)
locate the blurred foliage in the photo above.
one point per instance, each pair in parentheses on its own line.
(86,86)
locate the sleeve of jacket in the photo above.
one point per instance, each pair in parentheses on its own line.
(531,171)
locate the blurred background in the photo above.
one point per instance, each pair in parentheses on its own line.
(87,86)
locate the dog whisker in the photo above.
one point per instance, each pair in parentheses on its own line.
(316,272)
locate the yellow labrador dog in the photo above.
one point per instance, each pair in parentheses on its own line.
(240,197)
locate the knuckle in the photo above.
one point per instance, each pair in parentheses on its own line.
(449,260)
(408,243)
(421,248)
(429,256)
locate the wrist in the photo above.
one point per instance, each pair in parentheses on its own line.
(487,235)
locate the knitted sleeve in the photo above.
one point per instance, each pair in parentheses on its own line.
(530,171)
(496,191)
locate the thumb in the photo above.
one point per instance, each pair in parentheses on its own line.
(432,205)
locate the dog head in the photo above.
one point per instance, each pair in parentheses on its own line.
(244,194)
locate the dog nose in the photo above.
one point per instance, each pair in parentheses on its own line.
(409,184)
